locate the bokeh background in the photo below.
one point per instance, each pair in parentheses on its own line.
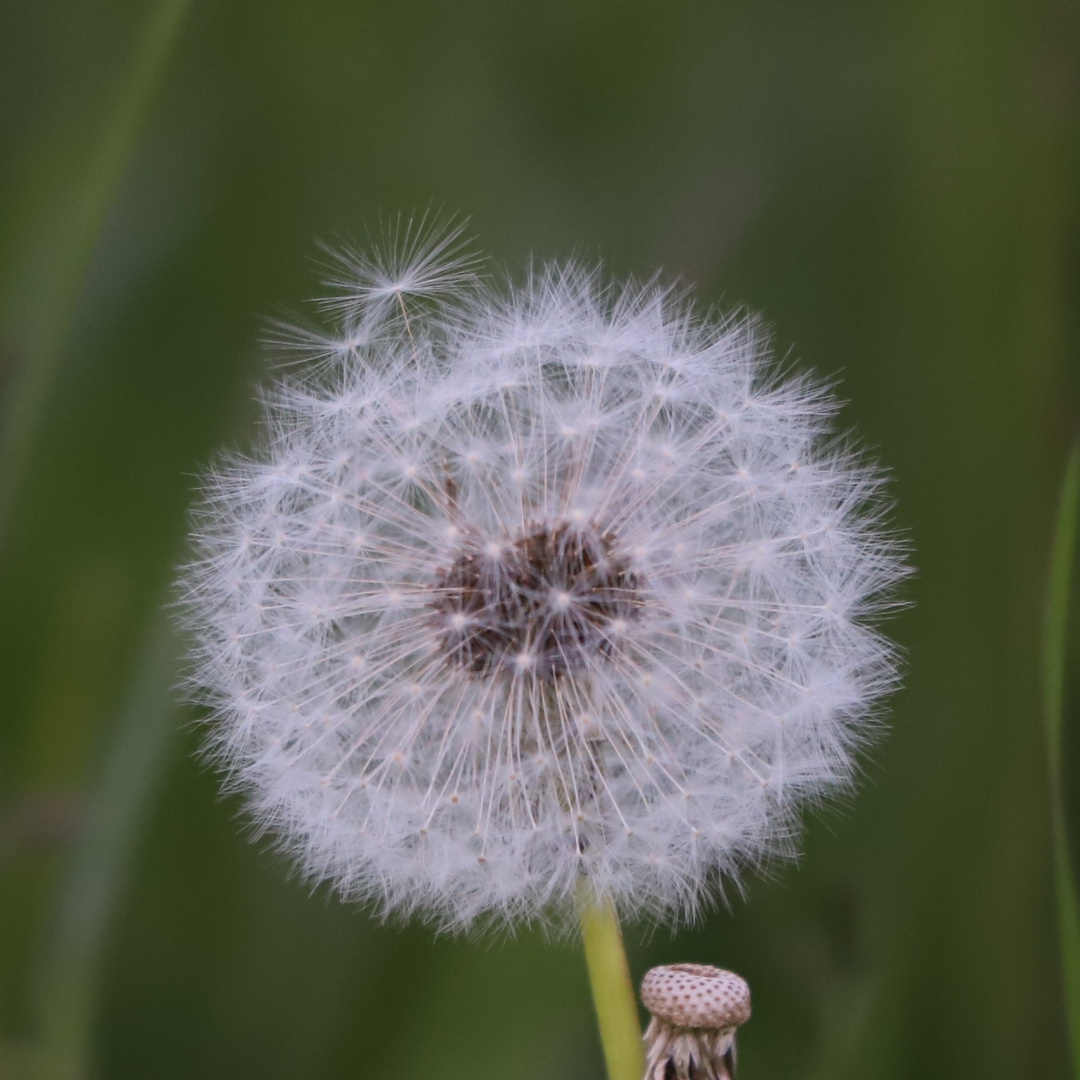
(892,185)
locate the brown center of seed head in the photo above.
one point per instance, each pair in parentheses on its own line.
(543,603)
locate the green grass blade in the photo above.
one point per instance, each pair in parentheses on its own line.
(67,983)
(1054,681)
(86,202)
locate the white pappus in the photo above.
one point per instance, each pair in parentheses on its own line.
(535,585)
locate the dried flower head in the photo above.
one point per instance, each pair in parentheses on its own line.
(695,1011)
(532,586)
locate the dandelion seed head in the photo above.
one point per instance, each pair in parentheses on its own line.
(538,584)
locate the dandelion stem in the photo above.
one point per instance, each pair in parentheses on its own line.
(612,991)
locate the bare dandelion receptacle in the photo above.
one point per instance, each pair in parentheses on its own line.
(695,1012)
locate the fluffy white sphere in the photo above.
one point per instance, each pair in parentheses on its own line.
(536,586)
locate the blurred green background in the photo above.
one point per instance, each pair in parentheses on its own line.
(892,185)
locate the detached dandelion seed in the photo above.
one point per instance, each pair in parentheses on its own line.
(535,587)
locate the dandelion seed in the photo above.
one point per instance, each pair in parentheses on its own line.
(533,587)
(418,258)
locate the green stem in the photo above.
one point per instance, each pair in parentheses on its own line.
(612,990)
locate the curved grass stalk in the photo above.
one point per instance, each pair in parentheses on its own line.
(68,977)
(67,983)
(93,193)
(1055,651)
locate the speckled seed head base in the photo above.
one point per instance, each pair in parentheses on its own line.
(695,1011)
(696,996)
